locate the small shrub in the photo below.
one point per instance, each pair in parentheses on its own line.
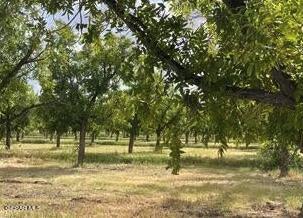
(269,157)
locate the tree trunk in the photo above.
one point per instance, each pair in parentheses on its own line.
(196,137)
(76,136)
(186,137)
(284,161)
(237,143)
(8,134)
(58,140)
(117,135)
(133,131)
(247,144)
(301,211)
(131,143)
(51,137)
(46,135)
(301,145)
(18,135)
(92,138)
(205,140)
(81,150)
(22,135)
(158,147)
(147,137)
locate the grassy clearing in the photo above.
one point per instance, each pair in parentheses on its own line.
(115,184)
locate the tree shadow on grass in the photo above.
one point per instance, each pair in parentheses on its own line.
(156,159)
(218,199)
(147,158)
(8,173)
(193,209)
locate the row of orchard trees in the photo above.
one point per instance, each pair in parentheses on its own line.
(107,80)
(105,84)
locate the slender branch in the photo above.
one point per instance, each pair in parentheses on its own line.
(71,20)
(24,111)
(14,71)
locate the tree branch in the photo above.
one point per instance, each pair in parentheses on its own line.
(24,111)
(276,99)
(284,98)
(14,71)
(284,82)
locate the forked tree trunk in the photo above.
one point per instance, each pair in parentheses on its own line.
(81,150)
(8,134)
(158,147)
(58,140)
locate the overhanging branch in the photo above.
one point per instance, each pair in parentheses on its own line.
(262,96)
(284,98)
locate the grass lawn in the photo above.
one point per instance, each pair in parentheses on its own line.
(113,183)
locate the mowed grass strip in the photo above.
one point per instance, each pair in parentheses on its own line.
(114,183)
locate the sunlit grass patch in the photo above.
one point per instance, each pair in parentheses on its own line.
(115,183)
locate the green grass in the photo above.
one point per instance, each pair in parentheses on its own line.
(113,183)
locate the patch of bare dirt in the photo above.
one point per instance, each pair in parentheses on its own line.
(271,209)
(193,209)
(86,200)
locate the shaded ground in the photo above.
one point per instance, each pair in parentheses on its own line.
(108,187)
